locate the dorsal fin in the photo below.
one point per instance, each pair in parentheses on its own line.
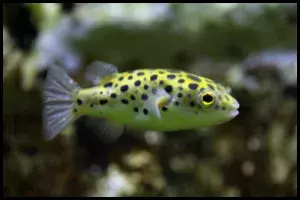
(99,71)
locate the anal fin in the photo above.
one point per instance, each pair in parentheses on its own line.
(105,130)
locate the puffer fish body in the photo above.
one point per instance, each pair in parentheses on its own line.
(149,99)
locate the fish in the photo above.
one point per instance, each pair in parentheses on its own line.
(148,99)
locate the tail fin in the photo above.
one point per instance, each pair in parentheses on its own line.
(58,101)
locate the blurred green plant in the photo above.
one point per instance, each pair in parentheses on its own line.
(253,155)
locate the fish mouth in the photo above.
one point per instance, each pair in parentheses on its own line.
(234,112)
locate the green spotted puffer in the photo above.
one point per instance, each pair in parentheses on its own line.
(148,99)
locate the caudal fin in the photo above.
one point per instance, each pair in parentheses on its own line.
(58,101)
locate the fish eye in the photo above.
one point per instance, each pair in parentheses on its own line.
(207,99)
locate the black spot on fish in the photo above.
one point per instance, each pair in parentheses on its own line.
(129,77)
(116,85)
(103,101)
(137,83)
(146,87)
(140,73)
(75,110)
(181,81)
(121,78)
(124,88)
(101,92)
(164,108)
(153,77)
(217,107)
(145,79)
(176,103)
(192,104)
(193,77)
(161,82)
(135,109)
(180,88)
(223,108)
(91,105)
(113,95)
(144,97)
(171,76)
(211,86)
(169,88)
(145,111)
(79,102)
(189,96)
(124,101)
(193,86)
(179,95)
(132,97)
(109,84)
(161,72)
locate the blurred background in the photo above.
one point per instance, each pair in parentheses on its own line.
(251,48)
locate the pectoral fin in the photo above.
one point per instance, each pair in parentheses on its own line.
(157,100)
